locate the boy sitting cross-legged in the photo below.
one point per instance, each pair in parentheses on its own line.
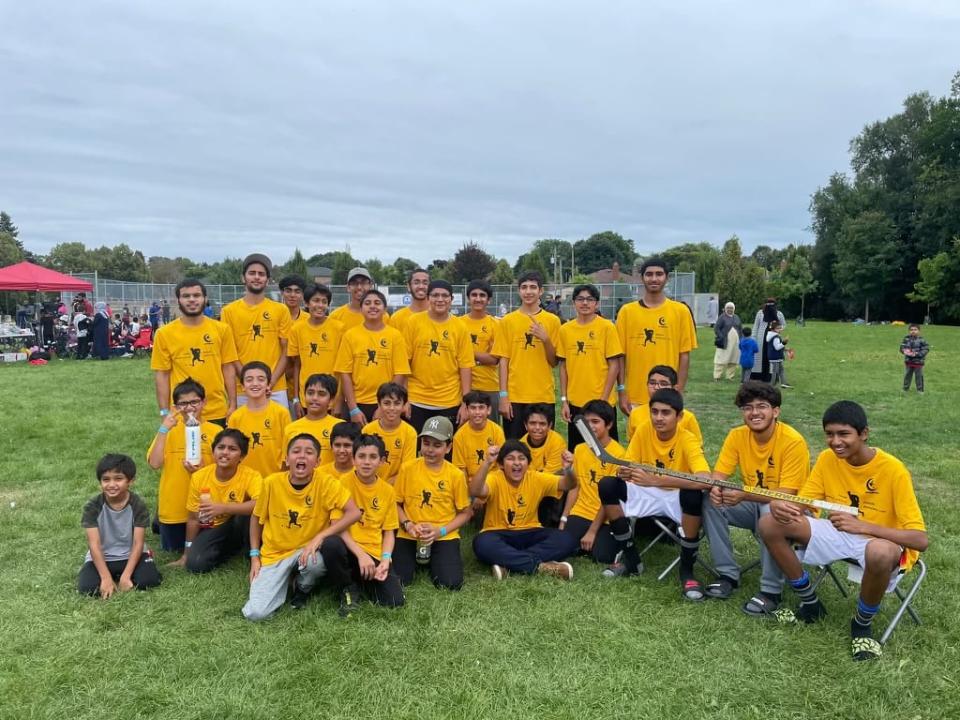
(115,522)
(885,539)
(295,534)
(433,506)
(219,524)
(371,539)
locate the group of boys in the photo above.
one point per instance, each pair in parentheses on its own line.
(357,502)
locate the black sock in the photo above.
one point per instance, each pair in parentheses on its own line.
(803,587)
(775,597)
(688,556)
(623,533)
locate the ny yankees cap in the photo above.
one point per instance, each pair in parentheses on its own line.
(438,428)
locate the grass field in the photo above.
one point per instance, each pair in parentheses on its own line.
(525,648)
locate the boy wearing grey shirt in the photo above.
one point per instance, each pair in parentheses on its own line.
(115,523)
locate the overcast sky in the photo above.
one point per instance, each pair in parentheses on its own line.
(208,129)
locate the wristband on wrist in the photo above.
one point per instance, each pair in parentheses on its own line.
(163,429)
(386,556)
(355,411)
(621,387)
(164,412)
(563,518)
(443,532)
(405,523)
(254,552)
(188,544)
(503,393)
(296,401)
(563,398)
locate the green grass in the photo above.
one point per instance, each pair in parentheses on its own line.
(529,647)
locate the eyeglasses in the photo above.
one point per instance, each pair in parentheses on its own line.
(758,407)
(188,404)
(585,298)
(659,383)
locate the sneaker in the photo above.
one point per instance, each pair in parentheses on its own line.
(348,601)
(298,601)
(562,570)
(499,572)
(811,612)
(618,569)
(788,387)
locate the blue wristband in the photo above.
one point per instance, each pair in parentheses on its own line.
(386,556)
(355,411)
(254,552)
(443,532)
(503,393)
(164,412)
(163,429)
(621,388)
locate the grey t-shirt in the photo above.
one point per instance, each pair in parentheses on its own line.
(115,526)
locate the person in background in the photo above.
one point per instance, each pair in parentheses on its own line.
(914,350)
(748,350)
(765,315)
(712,311)
(101,332)
(154,314)
(726,330)
(165,311)
(775,347)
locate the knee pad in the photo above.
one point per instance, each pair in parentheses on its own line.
(691,502)
(612,490)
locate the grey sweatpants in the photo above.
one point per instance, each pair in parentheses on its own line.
(268,591)
(777,376)
(913,372)
(746,515)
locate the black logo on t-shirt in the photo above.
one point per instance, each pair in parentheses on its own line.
(528,340)
(442,485)
(266,423)
(293,517)
(313,350)
(473,338)
(854,499)
(871,486)
(434,345)
(232,496)
(257,331)
(371,357)
(759,478)
(520,501)
(660,464)
(648,337)
(581,347)
(425,502)
(511,515)
(480,455)
(375,504)
(195,356)
(256,439)
(362,511)
(593,476)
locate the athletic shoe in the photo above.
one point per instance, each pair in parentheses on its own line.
(298,601)
(788,387)
(499,572)
(562,570)
(863,645)
(811,612)
(620,570)
(348,601)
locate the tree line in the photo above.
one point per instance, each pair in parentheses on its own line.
(886,239)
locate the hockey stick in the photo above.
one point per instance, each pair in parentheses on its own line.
(590,439)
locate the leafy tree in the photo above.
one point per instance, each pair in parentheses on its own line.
(471,262)
(700,258)
(228,271)
(402,267)
(502,273)
(939,283)
(10,252)
(72,257)
(739,280)
(7,227)
(296,265)
(121,262)
(440,270)
(532,261)
(601,250)
(794,278)
(343,262)
(164,269)
(868,258)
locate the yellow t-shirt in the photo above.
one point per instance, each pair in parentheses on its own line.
(782,463)
(587,350)
(243,486)
(641,414)
(265,428)
(547,457)
(589,470)
(438,352)
(431,496)
(482,334)
(682,452)
(402,316)
(292,517)
(320,429)
(351,319)
(653,336)
(530,377)
(401,444)
(515,508)
(330,468)
(174,478)
(470,446)
(378,512)
(371,359)
(882,491)
(257,331)
(316,347)
(198,352)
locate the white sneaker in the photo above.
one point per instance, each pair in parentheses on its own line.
(499,572)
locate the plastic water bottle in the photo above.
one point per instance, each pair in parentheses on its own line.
(205,520)
(191,429)
(423,552)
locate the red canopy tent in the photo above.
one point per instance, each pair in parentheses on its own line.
(27,276)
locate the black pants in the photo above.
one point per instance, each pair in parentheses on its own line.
(522,551)
(445,568)
(604,546)
(514,429)
(83,347)
(368,411)
(337,559)
(911,372)
(387,592)
(145,574)
(573,435)
(212,547)
(550,510)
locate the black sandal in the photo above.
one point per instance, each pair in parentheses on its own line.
(760,606)
(692,590)
(720,589)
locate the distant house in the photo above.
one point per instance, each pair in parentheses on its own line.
(321,275)
(613,275)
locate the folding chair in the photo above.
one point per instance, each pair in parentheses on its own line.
(666,531)
(906,596)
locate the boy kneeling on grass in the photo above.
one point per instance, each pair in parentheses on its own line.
(512,539)
(295,534)
(221,499)
(115,522)
(885,539)
(371,539)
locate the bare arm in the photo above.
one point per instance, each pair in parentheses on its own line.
(107,586)
(230,385)
(136,550)
(506,409)
(281,366)
(161,382)
(478,483)
(682,370)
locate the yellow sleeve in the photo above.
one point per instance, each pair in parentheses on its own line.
(688,338)
(459,452)
(401,356)
(549,482)
(228,346)
(293,342)
(254,485)
(729,457)
(286,322)
(795,465)
(409,451)
(461,494)
(694,428)
(501,340)
(193,495)
(262,507)
(612,345)
(160,358)
(335,494)
(344,362)
(694,453)
(408,331)
(392,519)
(814,487)
(464,349)
(905,506)
(554,451)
